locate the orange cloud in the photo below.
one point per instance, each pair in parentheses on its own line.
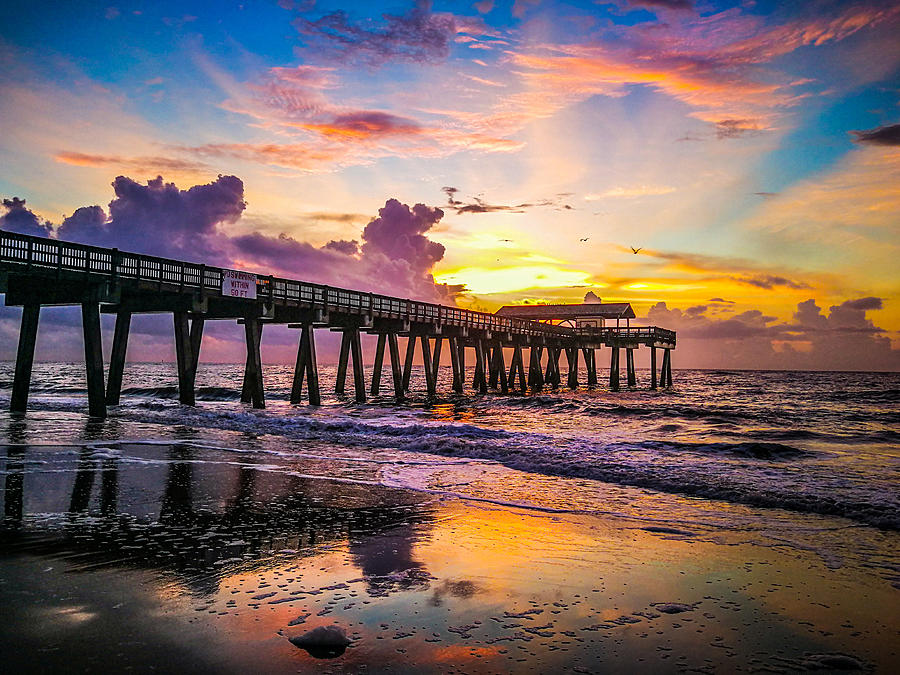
(153,164)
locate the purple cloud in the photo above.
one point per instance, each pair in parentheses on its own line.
(663,4)
(417,36)
(159,219)
(770,281)
(19,218)
(843,339)
(886,135)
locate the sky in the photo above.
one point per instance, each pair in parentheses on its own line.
(729,168)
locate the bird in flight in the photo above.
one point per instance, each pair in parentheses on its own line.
(584,239)
(636,250)
(508,240)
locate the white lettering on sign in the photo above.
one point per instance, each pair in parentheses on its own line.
(238,284)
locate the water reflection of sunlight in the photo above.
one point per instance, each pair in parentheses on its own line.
(451,412)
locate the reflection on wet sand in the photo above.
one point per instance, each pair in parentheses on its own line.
(152,551)
(253,515)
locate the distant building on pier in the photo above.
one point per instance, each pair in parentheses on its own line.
(585,315)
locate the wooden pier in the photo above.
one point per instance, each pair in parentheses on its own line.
(37,272)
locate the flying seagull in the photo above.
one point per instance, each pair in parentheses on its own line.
(636,250)
(584,239)
(509,240)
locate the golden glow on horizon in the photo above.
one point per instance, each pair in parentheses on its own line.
(483,280)
(660,286)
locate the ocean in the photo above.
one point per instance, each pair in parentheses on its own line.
(804,465)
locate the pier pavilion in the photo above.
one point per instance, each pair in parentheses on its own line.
(37,272)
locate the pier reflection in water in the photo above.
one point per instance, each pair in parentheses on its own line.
(203,517)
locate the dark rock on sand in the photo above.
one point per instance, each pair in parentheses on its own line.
(671,607)
(324,642)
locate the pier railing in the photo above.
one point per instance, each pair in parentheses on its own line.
(37,253)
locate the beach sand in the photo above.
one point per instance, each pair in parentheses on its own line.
(176,557)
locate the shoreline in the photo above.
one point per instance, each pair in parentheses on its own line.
(217,555)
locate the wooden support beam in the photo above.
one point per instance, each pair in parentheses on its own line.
(652,367)
(197,324)
(590,364)
(572,358)
(377,365)
(408,361)
(517,367)
(436,357)
(479,381)
(396,371)
(117,358)
(614,369)
(461,353)
(553,377)
(93,358)
(341,384)
(500,367)
(667,368)
(427,361)
(453,346)
(494,374)
(246,385)
(629,366)
(184,358)
(359,378)
(306,367)
(535,370)
(25,358)
(253,378)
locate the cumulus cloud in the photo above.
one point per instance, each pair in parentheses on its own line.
(19,218)
(395,256)
(886,135)
(160,219)
(844,338)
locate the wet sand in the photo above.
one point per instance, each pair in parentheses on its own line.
(172,557)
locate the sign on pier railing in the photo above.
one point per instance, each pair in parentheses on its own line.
(238,284)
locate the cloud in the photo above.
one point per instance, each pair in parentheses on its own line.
(479,205)
(19,218)
(395,256)
(320,133)
(419,36)
(631,191)
(664,4)
(770,281)
(722,268)
(160,219)
(845,338)
(863,304)
(140,164)
(718,65)
(886,135)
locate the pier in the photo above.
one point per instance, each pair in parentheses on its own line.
(37,272)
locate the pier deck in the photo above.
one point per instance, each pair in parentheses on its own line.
(36,272)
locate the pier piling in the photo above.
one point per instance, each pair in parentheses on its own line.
(614,369)
(93,359)
(25,357)
(117,357)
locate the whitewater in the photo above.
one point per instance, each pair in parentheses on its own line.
(801,442)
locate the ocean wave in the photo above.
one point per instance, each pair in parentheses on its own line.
(171,393)
(762,474)
(878,510)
